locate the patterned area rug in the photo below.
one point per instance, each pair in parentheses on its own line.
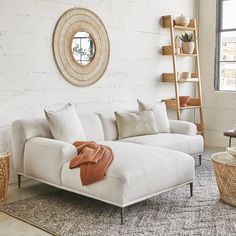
(172,213)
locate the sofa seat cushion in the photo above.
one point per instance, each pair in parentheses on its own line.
(136,173)
(192,145)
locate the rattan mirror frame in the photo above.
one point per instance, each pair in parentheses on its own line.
(71,22)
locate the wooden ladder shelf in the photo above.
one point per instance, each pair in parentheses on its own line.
(194,103)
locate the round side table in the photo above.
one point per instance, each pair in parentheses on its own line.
(224,166)
(4,174)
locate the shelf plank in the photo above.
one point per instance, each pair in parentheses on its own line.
(170,78)
(189,107)
(186,55)
(194,103)
(168,22)
(183,28)
(170,103)
(167,51)
(190,80)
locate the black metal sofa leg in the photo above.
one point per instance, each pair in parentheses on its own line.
(19,180)
(122,209)
(191,189)
(200,159)
(122,214)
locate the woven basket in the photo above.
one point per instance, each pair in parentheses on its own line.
(225,171)
(4,174)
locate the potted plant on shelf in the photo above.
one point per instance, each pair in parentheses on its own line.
(188,44)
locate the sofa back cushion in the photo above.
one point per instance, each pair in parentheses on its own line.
(92,126)
(65,124)
(135,123)
(109,125)
(160,113)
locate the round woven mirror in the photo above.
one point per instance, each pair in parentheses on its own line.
(81,46)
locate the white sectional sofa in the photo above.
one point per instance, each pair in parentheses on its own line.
(143,166)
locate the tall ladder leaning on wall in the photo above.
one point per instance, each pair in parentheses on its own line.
(196,101)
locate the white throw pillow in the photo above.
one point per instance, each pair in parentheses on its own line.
(161,118)
(135,124)
(65,124)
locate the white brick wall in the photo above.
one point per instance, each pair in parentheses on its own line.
(30,80)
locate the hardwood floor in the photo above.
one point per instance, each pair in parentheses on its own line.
(11,226)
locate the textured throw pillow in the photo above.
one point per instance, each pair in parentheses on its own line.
(161,118)
(135,123)
(65,124)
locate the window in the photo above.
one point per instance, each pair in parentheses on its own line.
(225,66)
(83,48)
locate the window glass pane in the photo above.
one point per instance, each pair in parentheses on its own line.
(227,76)
(228,46)
(229,15)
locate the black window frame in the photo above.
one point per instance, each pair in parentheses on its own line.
(219,30)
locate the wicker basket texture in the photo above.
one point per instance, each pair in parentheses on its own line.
(224,166)
(4,175)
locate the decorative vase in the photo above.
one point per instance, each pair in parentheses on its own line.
(188,47)
(182,21)
(183,100)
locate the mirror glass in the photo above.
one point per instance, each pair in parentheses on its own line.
(83,47)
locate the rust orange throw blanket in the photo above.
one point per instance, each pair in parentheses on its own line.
(93,160)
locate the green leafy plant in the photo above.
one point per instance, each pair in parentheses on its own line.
(187,37)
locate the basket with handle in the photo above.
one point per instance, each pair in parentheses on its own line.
(4,174)
(224,166)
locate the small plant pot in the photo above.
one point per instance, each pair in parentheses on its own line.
(188,47)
